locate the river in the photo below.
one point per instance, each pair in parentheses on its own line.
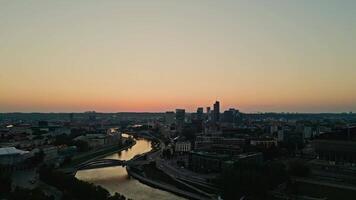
(116,179)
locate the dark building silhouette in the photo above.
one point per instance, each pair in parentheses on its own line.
(216,112)
(180,117)
(200,112)
(208,113)
(338,146)
(228,116)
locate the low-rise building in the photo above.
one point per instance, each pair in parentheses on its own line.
(67,151)
(182,146)
(50,153)
(338,147)
(265,143)
(10,156)
(207,162)
(100,140)
(60,131)
(291,137)
(220,144)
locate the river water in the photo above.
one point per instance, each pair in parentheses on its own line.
(116,179)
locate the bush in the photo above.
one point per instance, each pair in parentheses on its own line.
(73,188)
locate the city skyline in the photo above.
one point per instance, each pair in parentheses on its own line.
(117,56)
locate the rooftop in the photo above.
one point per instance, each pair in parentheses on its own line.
(11,151)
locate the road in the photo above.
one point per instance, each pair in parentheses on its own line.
(319,182)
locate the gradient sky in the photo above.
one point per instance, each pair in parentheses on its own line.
(110,56)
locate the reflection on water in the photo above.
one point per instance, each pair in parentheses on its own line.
(115,179)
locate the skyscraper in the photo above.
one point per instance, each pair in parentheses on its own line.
(216,112)
(208,116)
(180,117)
(200,112)
(169,117)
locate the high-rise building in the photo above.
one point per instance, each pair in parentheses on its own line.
(169,117)
(208,113)
(200,112)
(228,116)
(180,115)
(180,118)
(216,112)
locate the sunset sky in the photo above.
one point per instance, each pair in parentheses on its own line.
(113,56)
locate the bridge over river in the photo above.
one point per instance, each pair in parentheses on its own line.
(112,177)
(105,162)
(102,163)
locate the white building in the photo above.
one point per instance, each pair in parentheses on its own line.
(184,146)
(10,156)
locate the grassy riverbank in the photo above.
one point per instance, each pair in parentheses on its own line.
(98,153)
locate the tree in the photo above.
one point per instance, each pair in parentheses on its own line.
(73,188)
(298,168)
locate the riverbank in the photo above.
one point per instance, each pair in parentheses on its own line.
(164,186)
(153,177)
(94,155)
(73,188)
(148,174)
(116,179)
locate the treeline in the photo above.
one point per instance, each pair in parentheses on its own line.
(74,189)
(18,193)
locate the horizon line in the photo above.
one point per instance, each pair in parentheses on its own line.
(159,112)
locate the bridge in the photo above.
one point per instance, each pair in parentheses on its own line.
(95,163)
(102,163)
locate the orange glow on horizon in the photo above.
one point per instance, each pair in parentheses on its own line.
(155,56)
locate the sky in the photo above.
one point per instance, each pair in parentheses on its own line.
(158,55)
